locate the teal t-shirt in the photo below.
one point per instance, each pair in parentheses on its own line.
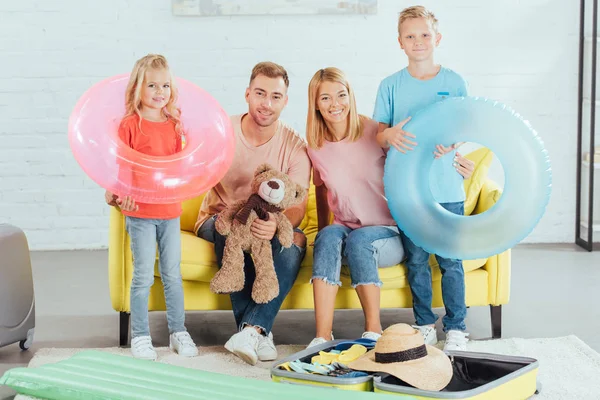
(400,96)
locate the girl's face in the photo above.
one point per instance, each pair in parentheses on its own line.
(333,102)
(156,89)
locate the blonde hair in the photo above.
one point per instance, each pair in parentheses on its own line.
(133,94)
(316,128)
(418,12)
(270,70)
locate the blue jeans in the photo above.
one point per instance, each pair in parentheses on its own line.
(287,264)
(453,282)
(144,234)
(364,250)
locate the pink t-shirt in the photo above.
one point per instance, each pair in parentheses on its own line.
(353,175)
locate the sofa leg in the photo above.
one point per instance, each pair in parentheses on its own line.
(123,328)
(496,316)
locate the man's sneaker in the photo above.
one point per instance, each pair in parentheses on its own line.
(141,347)
(456,341)
(266,350)
(429,334)
(244,344)
(318,340)
(182,344)
(371,335)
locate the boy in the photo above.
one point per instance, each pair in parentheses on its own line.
(399,96)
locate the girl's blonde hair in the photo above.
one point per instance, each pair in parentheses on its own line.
(316,129)
(133,94)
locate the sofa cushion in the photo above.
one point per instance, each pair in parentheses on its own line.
(190,213)
(482,158)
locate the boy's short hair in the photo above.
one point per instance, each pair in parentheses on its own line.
(270,70)
(417,12)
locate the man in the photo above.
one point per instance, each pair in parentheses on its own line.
(260,137)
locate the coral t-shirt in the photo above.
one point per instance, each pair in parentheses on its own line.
(155,139)
(353,175)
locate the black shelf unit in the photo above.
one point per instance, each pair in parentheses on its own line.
(584,223)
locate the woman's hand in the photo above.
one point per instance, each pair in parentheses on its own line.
(464,166)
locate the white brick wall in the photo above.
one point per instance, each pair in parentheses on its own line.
(523,53)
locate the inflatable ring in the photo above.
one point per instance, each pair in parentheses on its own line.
(526,169)
(204,160)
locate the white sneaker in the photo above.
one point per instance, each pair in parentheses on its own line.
(182,344)
(456,341)
(244,344)
(318,340)
(266,350)
(141,347)
(371,335)
(429,334)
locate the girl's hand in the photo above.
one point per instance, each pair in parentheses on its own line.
(110,198)
(127,204)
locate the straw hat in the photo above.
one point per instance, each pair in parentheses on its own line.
(401,352)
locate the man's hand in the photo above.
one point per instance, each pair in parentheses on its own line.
(464,166)
(264,229)
(399,138)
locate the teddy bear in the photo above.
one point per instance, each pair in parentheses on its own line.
(272,192)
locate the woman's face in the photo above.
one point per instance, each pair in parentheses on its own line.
(333,102)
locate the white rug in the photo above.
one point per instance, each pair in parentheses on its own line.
(569,369)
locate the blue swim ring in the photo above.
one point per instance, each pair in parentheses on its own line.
(526,164)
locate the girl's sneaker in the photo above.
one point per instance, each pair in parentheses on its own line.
(182,344)
(371,335)
(141,347)
(318,340)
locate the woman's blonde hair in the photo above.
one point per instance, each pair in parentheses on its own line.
(133,94)
(316,128)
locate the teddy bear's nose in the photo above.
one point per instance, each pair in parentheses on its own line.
(273,185)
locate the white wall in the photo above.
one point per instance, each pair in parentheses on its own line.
(523,53)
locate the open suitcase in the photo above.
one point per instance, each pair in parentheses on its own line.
(17,304)
(479,376)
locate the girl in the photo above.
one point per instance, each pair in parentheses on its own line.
(151,125)
(348,176)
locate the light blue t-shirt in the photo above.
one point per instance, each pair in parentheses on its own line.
(401,95)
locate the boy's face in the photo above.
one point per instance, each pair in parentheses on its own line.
(418,39)
(266,98)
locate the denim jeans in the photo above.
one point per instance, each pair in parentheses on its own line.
(287,264)
(364,250)
(145,233)
(453,282)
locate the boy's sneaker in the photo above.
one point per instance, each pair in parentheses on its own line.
(182,344)
(141,347)
(456,341)
(266,350)
(244,344)
(429,334)
(371,335)
(318,340)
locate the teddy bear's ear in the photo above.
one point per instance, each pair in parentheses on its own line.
(262,168)
(300,193)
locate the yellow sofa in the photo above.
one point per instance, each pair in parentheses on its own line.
(487,280)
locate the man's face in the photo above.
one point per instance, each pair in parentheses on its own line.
(266,98)
(418,39)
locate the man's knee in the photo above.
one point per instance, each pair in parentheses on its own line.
(299,239)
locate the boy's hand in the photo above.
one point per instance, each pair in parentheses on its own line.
(397,137)
(264,229)
(464,166)
(127,204)
(441,150)
(110,198)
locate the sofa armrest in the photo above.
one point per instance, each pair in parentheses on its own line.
(117,241)
(497,266)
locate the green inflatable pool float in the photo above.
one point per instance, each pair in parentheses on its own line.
(95,375)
